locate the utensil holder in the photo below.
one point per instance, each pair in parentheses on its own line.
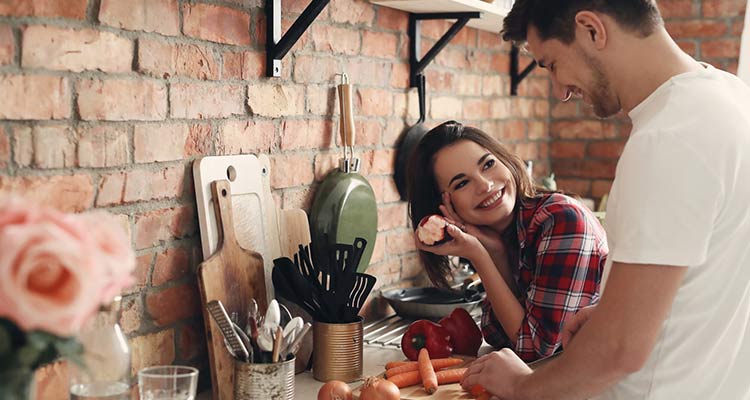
(274,381)
(337,351)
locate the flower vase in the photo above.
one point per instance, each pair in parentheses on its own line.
(17,384)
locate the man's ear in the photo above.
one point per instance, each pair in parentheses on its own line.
(591,29)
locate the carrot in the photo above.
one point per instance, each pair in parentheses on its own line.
(477,390)
(406,379)
(437,363)
(427,372)
(412,378)
(401,366)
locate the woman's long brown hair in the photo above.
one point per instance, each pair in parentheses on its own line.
(422,188)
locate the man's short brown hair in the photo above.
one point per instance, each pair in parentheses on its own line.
(555,19)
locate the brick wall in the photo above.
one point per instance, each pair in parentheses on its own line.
(106,103)
(584,149)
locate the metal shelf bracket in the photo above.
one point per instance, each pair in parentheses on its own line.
(416,65)
(515,76)
(276,45)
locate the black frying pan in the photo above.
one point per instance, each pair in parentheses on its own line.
(432,302)
(409,141)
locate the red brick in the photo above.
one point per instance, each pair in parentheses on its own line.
(367,133)
(723,8)
(535,87)
(245,137)
(373,102)
(605,149)
(442,108)
(206,100)
(491,41)
(51,100)
(379,44)
(103,146)
(441,81)
(111,190)
(159,142)
(156,348)
(370,72)
(122,100)
(243,65)
(392,19)
(676,8)
(216,24)
(130,315)
(291,170)
(538,130)
(161,59)
(600,187)
(156,226)
(411,267)
(171,265)
(378,162)
(477,109)
(696,28)
(688,46)
(54,146)
(66,193)
(7,45)
(720,48)
(75,50)
(400,75)
(378,252)
(191,341)
(480,61)
(392,216)
(581,187)
(332,39)
(585,168)
(453,58)
(275,100)
(306,134)
(142,271)
(145,185)
(75,9)
(399,242)
(559,149)
(527,150)
(4,148)
(493,85)
(326,163)
(387,271)
(313,69)
(353,12)
(582,129)
(173,304)
(300,197)
(468,85)
(146,15)
(737,27)
(568,109)
(501,63)
(23,146)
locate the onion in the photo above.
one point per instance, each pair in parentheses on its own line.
(335,390)
(379,389)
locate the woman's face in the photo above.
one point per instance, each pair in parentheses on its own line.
(481,188)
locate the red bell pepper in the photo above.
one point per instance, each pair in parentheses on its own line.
(466,338)
(424,333)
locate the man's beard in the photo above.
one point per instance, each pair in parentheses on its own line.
(604,103)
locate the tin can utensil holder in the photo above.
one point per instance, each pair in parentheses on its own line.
(274,381)
(337,351)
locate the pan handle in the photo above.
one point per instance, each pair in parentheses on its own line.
(347,115)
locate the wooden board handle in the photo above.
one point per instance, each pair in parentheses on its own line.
(347,114)
(222,195)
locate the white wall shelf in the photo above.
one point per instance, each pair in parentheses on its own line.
(492,14)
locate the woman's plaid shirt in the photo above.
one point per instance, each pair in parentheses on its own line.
(562,250)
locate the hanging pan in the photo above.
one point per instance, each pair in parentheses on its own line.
(344,207)
(409,141)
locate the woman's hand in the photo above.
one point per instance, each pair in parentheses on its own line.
(491,240)
(462,244)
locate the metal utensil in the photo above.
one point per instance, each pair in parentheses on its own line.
(220,316)
(294,346)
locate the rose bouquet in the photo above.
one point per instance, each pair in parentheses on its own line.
(56,270)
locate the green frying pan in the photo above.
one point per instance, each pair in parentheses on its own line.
(344,207)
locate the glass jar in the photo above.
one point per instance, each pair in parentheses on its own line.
(105,374)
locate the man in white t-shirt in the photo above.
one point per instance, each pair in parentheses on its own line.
(674,320)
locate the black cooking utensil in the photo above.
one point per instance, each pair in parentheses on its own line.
(363,284)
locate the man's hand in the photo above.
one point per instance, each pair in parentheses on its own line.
(575,323)
(498,372)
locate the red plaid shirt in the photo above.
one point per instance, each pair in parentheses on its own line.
(562,250)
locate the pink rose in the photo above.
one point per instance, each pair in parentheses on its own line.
(115,253)
(55,268)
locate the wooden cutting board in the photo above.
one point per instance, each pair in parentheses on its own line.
(232,275)
(444,392)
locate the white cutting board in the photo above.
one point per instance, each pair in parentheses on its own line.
(255,217)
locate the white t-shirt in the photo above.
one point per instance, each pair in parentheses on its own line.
(681,196)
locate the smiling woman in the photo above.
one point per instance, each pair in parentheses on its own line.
(540,254)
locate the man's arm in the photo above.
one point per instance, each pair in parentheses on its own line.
(617,340)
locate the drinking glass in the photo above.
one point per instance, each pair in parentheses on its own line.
(168,382)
